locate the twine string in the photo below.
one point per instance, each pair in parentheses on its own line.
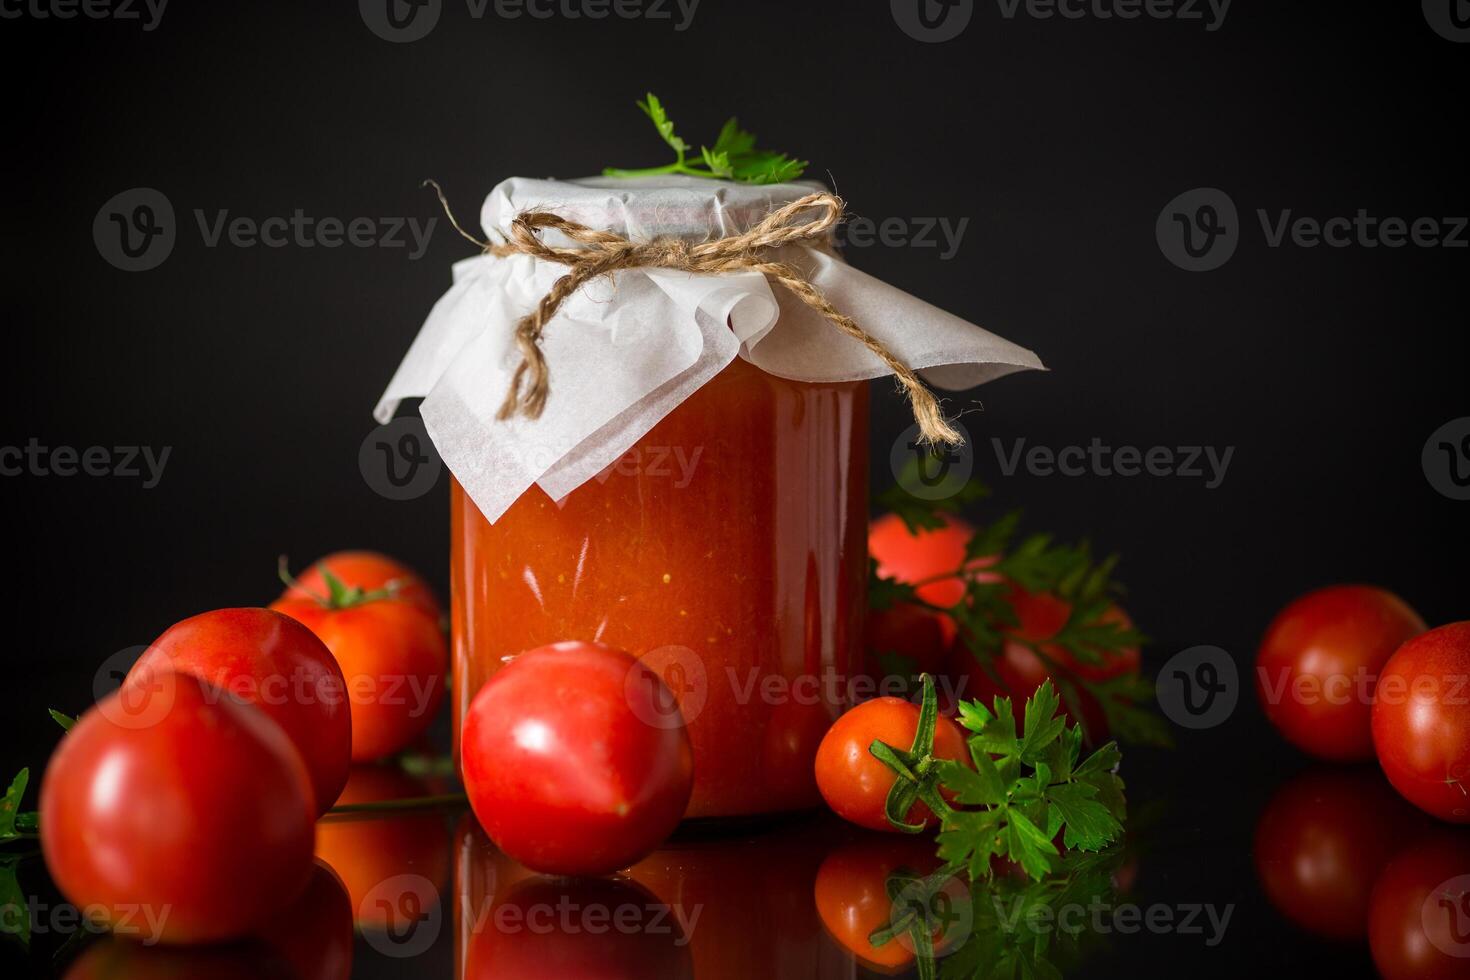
(808,220)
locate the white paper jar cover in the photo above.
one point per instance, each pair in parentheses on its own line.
(628,348)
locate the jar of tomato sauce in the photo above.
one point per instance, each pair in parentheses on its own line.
(727,548)
(684,473)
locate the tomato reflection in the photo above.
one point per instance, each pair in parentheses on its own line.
(851,893)
(310,939)
(387,861)
(511,922)
(116,958)
(314,934)
(1321,842)
(1419,919)
(740,904)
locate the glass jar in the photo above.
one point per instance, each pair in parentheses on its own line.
(727,549)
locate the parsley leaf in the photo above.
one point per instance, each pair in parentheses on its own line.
(734,155)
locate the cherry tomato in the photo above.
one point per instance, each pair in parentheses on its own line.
(574,928)
(1040,617)
(381,857)
(852,897)
(1321,843)
(571,761)
(1421,722)
(1319,661)
(275,663)
(1419,919)
(369,571)
(182,800)
(393,657)
(854,783)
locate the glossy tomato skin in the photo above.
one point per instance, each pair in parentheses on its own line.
(1321,843)
(854,783)
(369,571)
(1421,722)
(275,663)
(561,767)
(1419,919)
(393,659)
(1318,662)
(185,800)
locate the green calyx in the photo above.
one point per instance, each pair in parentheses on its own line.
(339,594)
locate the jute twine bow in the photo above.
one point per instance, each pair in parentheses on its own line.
(605,253)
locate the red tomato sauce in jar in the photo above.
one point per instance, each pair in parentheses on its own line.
(727,548)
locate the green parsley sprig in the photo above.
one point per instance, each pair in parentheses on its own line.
(1029,784)
(734,155)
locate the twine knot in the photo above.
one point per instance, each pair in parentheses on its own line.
(809,220)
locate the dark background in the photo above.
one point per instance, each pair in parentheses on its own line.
(1060,140)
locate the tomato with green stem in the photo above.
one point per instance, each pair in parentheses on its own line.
(392,653)
(182,802)
(275,663)
(369,571)
(860,785)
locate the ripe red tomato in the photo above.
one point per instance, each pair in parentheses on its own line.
(564,766)
(928,557)
(1421,721)
(854,783)
(851,893)
(1419,920)
(1321,843)
(1319,661)
(393,657)
(369,571)
(1040,616)
(182,802)
(275,663)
